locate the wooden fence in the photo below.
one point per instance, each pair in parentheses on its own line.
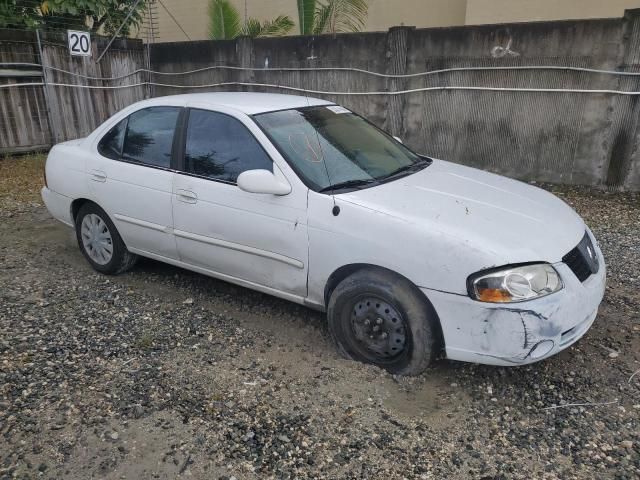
(44,112)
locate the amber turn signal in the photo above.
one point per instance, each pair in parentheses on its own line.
(493,295)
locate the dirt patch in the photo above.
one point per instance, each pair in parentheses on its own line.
(163,373)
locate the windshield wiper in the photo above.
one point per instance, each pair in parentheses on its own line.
(348,184)
(412,167)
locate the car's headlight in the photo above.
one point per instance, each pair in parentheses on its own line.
(514,284)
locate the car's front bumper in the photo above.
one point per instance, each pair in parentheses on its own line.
(519,333)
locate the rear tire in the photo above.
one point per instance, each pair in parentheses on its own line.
(100,242)
(378,317)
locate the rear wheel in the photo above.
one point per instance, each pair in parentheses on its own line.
(381,318)
(100,242)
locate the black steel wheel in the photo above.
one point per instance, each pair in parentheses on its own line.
(378,317)
(380,331)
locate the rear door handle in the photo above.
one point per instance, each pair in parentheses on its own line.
(98,176)
(186,196)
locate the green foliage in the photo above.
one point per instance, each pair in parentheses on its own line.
(225,24)
(281,25)
(332,16)
(224,20)
(306,16)
(322,19)
(98,16)
(17,14)
(346,15)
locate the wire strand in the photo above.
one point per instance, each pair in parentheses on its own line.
(174,19)
(346,69)
(323,92)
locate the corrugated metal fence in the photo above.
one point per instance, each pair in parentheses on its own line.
(470,95)
(537,101)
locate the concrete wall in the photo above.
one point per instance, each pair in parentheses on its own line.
(192,15)
(575,138)
(503,11)
(384,14)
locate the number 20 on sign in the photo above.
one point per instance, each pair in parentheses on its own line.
(79,43)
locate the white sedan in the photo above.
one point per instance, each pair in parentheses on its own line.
(410,257)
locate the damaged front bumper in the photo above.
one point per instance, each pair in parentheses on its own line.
(519,333)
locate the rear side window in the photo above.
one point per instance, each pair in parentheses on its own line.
(149,136)
(111,144)
(220,147)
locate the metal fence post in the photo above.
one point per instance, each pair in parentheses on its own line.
(244,47)
(397,58)
(53,130)
(147,64)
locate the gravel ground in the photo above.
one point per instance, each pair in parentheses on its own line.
(163,373)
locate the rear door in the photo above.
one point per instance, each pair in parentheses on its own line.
(131,178)
(256,238)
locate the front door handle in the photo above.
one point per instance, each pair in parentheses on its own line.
(186,196)
(98,176)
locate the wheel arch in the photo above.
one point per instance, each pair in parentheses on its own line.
(122,257)
(344,271)
(77,204)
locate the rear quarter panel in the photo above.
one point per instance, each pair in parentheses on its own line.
(66,169)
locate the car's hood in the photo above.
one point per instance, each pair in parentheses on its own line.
(509,220)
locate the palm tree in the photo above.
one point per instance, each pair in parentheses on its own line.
(331,16)
(306,16)
(279,26)
(225,23)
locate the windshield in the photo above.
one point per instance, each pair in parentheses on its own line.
(332,148)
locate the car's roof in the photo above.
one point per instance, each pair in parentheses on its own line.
(247,102)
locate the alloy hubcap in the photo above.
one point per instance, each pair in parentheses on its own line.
(379,327)
(96,239)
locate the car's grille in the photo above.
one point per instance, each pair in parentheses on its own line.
(583,260)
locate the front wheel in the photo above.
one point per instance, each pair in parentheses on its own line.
(381,318)
(100,242)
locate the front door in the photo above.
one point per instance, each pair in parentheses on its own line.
(256,238)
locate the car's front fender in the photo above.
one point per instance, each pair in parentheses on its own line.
(358,235)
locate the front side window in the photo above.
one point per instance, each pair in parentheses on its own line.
(149,136)
(110,145)
(220,147)
(332,148)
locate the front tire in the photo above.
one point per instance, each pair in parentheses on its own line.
(378,317)
(100,242)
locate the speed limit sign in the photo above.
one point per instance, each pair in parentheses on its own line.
(79,43)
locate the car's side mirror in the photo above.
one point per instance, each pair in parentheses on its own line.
(398,139)
(262,181)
